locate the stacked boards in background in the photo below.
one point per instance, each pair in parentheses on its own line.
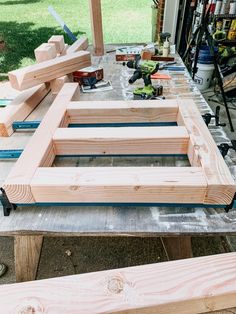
(55,62)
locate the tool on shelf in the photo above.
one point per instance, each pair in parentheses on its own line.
(208,116)
(144,69)
(201,34)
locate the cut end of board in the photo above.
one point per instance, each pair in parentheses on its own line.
(15,82)
(19,193)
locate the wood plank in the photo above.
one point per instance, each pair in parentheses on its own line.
(122,111)
(27,254)
(221,186)
(48,70)
(21,107)
(177,247)
(190,286)
(59,42)
(17,184)
(45,52)
(96,25)
(119,185)
(64,51)
(80,44)
(57,84)
(125,140)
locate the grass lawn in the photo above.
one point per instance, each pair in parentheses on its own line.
(25,24)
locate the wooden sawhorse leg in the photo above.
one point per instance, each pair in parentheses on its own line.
(27,251)
(177,247)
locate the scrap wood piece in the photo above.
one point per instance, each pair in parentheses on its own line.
(80,44)
(194,285)
(21,107)
(48,70)
(57,84)
(45,51)
(64,51)
(59,42)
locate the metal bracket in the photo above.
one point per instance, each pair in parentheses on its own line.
(6,204)
(225,147)
(207,117)
(230,206)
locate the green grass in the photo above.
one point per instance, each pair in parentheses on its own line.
(25,24)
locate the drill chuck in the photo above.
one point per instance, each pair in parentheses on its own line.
(137,75)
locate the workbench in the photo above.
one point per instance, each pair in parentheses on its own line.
(175,225)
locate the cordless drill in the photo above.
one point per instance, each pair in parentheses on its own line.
(144,70)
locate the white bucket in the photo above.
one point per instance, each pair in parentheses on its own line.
(203,76)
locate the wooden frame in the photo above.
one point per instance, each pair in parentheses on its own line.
(207,181)
(196,285)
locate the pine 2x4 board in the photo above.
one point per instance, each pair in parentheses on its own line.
(207,181)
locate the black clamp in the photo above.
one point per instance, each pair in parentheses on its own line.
(207,117)
(225,147)
(6,204)
(230,206)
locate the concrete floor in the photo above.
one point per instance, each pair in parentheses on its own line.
(90,254)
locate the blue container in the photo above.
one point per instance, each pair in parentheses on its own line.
(205,55)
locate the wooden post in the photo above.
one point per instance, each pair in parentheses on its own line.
(27,255)
(177,247)
(96,24)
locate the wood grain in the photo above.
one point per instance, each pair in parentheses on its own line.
(118,185)
(57,84)
(58,41)
(125,140)
(221,186)
(45,52)
(80,44)
(96,25)
(190,286)
(27,254)
(122,111)
(48,70)
(64,51)
(17,184)
(21,107)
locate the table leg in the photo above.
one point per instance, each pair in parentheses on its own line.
(27,251)
(177,247)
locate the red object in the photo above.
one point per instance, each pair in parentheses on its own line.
(90,72)
(160,76)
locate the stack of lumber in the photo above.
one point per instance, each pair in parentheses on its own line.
(55,63)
